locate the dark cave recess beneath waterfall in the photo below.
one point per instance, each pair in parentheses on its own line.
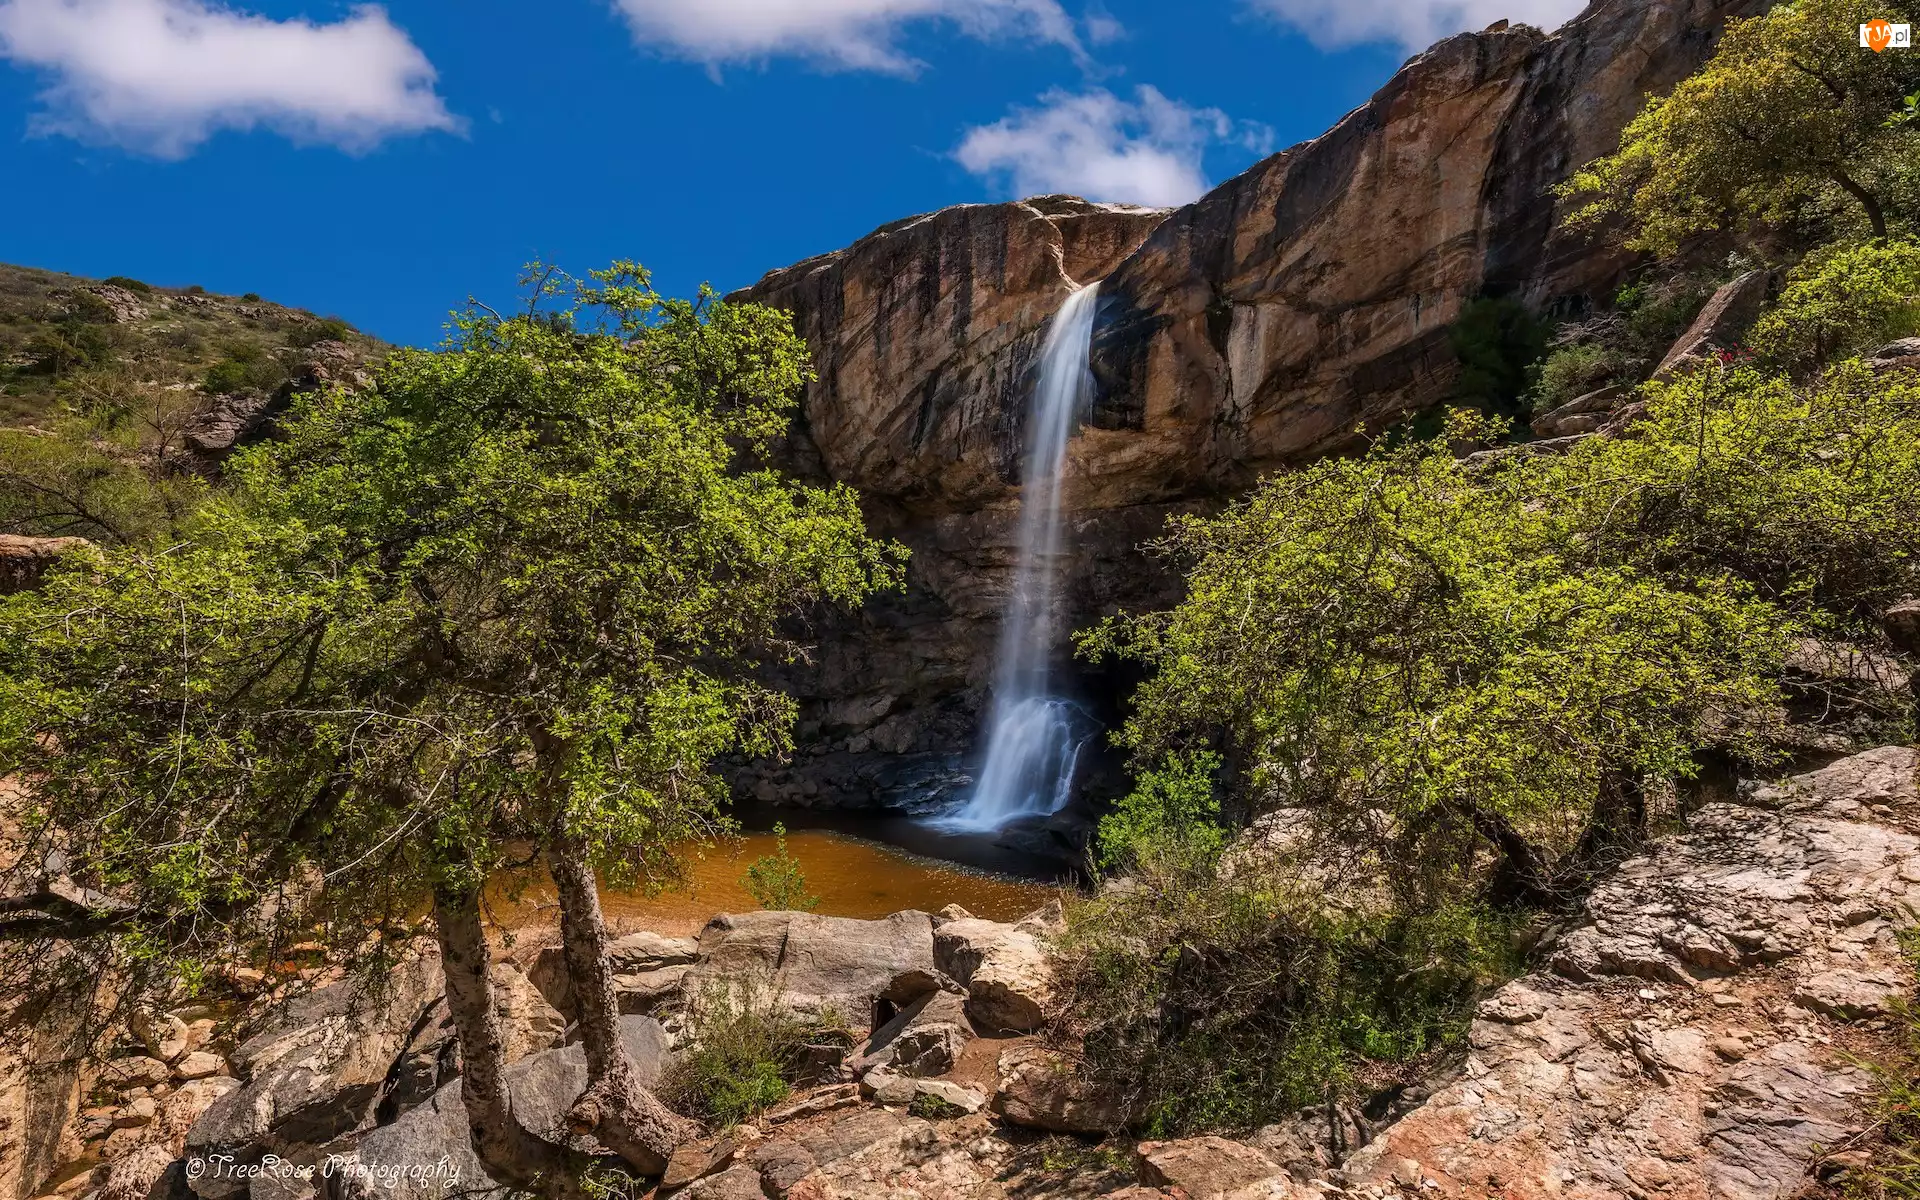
(907,788)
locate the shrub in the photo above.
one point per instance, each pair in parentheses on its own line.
(747,1048)
(1572,371)
(132,285)
(328,329)
(1850,300)
(246,369)
(251,297)
(775,881)
(1495,341)
(1228,1000)
(1174,806)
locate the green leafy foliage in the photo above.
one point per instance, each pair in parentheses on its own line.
(1405,634)
(1788,113)
(1211,999)
(1850,299)
(516,592)
(746,1050)
(1173,806)
(775,881)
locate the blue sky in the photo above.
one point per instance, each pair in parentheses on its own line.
(382,163)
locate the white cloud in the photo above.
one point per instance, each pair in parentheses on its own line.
(1411,24)
(1145,151)
(860,35)
(161,76)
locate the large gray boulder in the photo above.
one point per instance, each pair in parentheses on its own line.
(814,964)
(428,1155)
(316,1074)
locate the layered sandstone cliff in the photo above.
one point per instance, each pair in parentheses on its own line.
(1257,327)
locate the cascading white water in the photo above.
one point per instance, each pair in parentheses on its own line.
(1034,737)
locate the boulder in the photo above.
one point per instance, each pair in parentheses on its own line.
(135,1176)
(528,1024)
(647,969)
(1902,623)
(1654,1057)
(427,1153)
(814,964)
(1901,355)
(317,1073)
(1582,414)
(923,1039)
(1004,969)
(23,560)
(1041,1088)
(1853,995)
(966,1099)
(1732,310)
(1212,1168)
(545,1085)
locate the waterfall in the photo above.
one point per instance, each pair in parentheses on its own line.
(1034,737)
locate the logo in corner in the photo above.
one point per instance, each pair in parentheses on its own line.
(1883,34)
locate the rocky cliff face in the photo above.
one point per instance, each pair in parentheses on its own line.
(1253,328)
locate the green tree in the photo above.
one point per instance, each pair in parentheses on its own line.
(1790,109)
(530,580)
(1847,299)
(1427,658)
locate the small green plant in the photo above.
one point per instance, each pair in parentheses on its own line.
(1572,371)
(132,285)
(929,1107)
(1172,809)
(245,369)
(776,882)
(251,297)
(1846,301)
(747,1048)
(325,329)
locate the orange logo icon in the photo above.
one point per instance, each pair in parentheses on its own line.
(1879,34)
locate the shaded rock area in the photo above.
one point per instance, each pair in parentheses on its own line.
(1253,328)
(23,560)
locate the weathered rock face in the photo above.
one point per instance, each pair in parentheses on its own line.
(1686,1040)
(1253,328)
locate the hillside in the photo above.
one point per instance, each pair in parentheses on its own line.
(116,397)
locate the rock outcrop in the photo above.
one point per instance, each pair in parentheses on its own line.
(1253,328)
(1688,1037)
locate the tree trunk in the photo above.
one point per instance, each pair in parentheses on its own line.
(625,1117)
(1867,200)
(1523,876)
(513,1156)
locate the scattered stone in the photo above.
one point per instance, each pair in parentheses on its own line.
(695,1160)
(140,1071)
(1211,1168)
(884,1085)
(201,1065)
(137,1175)
(966,1099)
(138,1111)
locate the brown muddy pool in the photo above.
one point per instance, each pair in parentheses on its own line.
(853,878)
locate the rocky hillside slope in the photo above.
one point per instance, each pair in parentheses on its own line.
(1696,1031)
(199,370)
(1255,327)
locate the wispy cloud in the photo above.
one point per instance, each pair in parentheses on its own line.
(162,76)
(854,35)
(1148,150)
(1412,25)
